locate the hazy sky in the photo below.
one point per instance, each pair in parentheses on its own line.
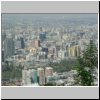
(49,15)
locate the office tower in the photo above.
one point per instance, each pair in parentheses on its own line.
(22,43)
(42,36)
(37,43)
(34,76)
(17,44)
(9,47)
(41,76)
(48,72)
(74,51)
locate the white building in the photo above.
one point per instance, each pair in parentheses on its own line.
(62,54)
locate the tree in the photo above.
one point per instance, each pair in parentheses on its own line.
(63,65)
(85,77)
(50,84)
(86,64)
(90,56)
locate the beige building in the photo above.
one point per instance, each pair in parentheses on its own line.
(74,51)
(35,43)
(32,50)
(48,72)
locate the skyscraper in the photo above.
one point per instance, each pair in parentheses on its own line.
(34,75)
(36,43)
(42,36)
(48,72)
(9,47)
(22,43)
(41,76)
(17,44)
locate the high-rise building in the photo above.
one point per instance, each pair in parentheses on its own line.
(29,77)
(9,47)
(34,76)
(42,36)
(37,43)
(18,44)
(41,76)
(48,72)
(22,43)
(74,51)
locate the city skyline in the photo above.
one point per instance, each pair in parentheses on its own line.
(42,49)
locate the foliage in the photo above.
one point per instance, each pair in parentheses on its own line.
(10,71)
(86,63)
(84,77)
(64,65)
(50,84)
(90,56)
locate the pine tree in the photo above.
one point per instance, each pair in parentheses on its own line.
(86,64)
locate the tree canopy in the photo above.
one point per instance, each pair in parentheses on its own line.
(86,63)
